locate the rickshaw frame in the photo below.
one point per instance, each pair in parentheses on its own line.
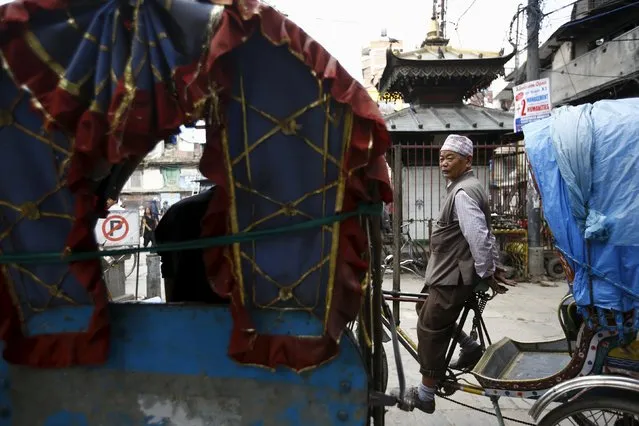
(563,392)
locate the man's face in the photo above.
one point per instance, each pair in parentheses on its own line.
(453,165)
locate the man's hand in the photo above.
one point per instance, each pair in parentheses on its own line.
(495,286)
(500,277)
(495,282)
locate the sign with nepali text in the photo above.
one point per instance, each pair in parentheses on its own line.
(532,102)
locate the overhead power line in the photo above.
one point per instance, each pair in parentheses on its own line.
(559,9)
(465,12)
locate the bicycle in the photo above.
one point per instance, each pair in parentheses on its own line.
(417,257)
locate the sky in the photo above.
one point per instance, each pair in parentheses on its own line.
(343,27)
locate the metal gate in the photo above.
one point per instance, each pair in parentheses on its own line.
(422,188)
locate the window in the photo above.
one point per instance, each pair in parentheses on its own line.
(171,175)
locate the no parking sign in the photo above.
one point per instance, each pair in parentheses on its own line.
(119,228)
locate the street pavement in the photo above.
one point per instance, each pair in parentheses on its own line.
(527,313)
(132,282)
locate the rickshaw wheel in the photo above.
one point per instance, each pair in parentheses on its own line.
(354,330)
(385,369)
(590,410)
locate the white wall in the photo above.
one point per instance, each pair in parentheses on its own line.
(152,179)
(156,152)
(421,199)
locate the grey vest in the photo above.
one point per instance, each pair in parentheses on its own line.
(450,256)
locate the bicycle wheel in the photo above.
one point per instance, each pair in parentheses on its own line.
(418,253)
(595,411)
(414,268)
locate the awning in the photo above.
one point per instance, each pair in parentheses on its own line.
(449,118)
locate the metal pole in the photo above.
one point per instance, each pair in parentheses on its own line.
(533,204)
(517,42)
(137,273)
(532,25)
(153,276)
(374,224)
(397,226)
(443,18)
(500,417)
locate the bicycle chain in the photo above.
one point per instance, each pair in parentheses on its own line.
(490,413)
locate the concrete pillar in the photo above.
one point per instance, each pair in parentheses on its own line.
(153,276)
(114,277)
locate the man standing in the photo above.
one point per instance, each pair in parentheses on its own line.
(165,208)
(463,252)
(184,271)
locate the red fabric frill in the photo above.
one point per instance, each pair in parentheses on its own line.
(153,116)
(363,168)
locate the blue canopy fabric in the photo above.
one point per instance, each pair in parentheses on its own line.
(586,163)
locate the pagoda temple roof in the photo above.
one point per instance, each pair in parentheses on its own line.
(449,118)
(439,53)
(465,71)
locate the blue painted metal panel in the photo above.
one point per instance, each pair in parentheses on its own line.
(5,396)
(168,365)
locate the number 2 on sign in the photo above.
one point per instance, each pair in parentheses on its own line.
(523,107)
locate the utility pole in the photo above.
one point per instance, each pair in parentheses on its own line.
(519,10)
(532,25)
(442,16)
(533,203)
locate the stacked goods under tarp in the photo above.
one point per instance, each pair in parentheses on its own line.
(585,159)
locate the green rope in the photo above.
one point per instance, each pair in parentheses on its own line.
(201,243)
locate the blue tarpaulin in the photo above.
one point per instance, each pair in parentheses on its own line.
(586,163)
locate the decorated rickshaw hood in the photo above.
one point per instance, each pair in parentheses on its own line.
(88,88)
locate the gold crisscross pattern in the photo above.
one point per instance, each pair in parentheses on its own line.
(101,73)
(35,163)
(319,277)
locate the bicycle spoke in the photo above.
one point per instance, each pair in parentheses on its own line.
(601,418)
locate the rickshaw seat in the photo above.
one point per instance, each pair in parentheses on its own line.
(509,361)
(482,287)
(571,319)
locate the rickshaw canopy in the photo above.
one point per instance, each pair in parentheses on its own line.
(87,90)
(584,159)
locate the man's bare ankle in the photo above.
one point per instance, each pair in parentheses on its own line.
(429,381)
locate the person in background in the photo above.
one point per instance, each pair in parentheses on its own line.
(463,253)
(149,223)
(155,208)
(165,208)
(387,225)
(184,271)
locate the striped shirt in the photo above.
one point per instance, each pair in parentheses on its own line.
(482,242)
